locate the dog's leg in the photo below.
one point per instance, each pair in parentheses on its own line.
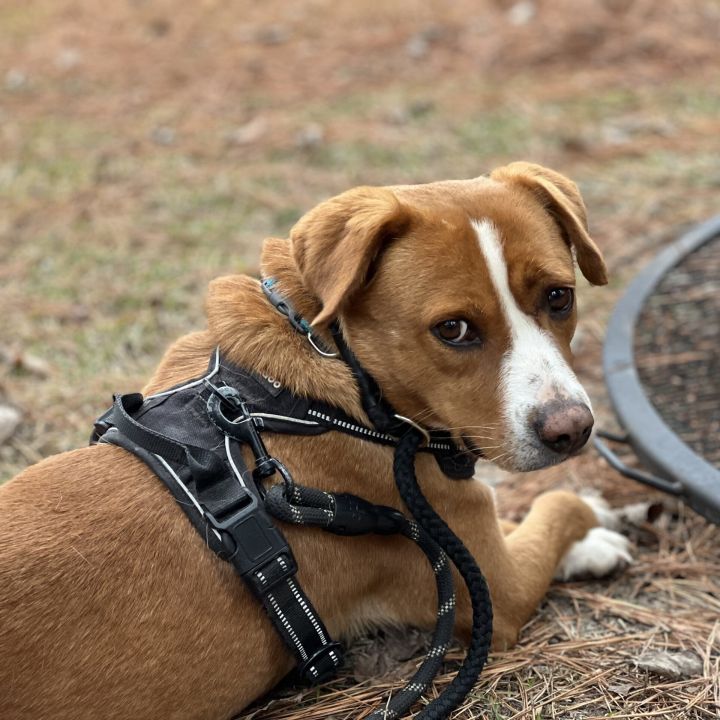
(520,566)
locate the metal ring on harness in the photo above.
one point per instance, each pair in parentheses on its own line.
(425,433)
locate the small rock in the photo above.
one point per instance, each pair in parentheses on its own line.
(614,135)
(521,13)
(396,115)
(33,364)
(311,136)
(67,59)
(25,362)
(163,135)
(248,133)
(9,421)
(675,665)
(417,47)
(15,79)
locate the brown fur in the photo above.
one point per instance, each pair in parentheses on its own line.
(111,605)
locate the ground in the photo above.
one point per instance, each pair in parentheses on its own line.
(148,146)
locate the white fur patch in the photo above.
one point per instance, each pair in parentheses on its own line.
(533,370)
(606,516)
(598,554)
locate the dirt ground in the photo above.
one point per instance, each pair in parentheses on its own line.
(147,146)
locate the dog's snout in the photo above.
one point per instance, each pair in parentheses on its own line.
(565,428)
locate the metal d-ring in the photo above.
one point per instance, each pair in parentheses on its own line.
(419,428)
(322,352)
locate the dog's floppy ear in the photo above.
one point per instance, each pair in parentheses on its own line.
(561,198)
(335,244)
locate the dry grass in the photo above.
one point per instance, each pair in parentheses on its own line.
(583,654)
(147,147)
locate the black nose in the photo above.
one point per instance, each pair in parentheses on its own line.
(564,427)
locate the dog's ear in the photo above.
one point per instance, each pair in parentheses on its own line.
(335,244)
(561,198)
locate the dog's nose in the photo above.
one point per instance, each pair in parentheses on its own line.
(565,428)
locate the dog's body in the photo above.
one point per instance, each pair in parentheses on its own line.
(110,603)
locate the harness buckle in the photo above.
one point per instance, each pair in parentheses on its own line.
(255,547)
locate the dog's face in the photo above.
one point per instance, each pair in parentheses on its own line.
(459,298)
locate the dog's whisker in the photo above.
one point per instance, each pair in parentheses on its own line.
(472,427)
(419,417)
(499,457)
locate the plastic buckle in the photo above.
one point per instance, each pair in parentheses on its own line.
(322,665)
(253,544)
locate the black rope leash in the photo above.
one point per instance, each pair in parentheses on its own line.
(438,530)
(346,514)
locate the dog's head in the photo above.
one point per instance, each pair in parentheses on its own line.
(459,298)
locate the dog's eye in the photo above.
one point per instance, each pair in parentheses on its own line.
(457,332)
(560,300)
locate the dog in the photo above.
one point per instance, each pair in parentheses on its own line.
(458,298)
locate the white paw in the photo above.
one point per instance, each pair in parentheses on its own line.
(606,516)
(598,554)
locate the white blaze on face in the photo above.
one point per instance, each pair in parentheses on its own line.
(533,371)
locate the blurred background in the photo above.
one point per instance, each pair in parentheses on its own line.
(147,146)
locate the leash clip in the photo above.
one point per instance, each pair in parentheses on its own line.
(243,428)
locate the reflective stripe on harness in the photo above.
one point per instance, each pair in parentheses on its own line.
(226,507)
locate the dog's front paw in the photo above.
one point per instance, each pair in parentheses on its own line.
(600,553)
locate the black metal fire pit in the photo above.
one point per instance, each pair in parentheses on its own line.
(662,367)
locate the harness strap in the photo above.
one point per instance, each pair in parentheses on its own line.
(227,508)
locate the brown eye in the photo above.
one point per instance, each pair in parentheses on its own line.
(457,332)
(560,300)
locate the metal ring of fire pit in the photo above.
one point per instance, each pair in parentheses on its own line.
(680,470)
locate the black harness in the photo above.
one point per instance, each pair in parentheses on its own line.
(191,437)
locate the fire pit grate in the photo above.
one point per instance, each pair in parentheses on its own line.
(662,366)
(677,350)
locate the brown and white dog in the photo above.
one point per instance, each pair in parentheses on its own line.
(458,298)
